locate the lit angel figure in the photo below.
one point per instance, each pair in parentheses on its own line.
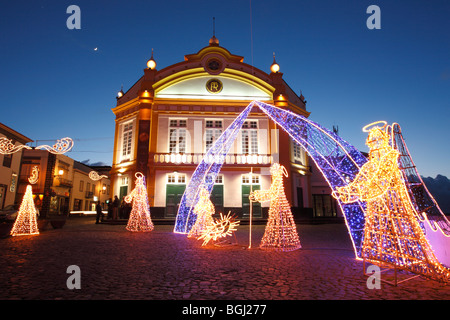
(392,234)
(139,219)
(281,232)
(26,220)
(204,209)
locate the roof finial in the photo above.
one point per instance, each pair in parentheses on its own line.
(214,41)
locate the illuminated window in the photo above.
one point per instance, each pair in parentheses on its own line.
(177,136)
(176,178)
(212,132)
(297,151)
(246,179)
(127,138)
(124,181)
(249,137)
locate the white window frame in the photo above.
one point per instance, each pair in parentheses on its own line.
(176,178)
(250,137)
(126,148)
(212,132)
(177,129)
(245,179)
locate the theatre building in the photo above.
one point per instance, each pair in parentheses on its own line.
(167,121)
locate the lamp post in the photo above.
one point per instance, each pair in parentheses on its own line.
(251,209)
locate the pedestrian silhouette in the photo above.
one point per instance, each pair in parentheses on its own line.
(99,209)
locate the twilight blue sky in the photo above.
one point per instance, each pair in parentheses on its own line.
(54,84)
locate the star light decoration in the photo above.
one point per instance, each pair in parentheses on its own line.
(60,147)
(139,219)
(221,228)
(393,236)
(281,232)
(26,220)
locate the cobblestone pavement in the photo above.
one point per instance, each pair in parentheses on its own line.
(117,264)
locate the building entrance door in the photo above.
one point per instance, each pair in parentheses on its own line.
(123,191)
(217,198)
(174,192)
(246,202)
(2,195)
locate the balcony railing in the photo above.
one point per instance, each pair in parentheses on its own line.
(64,182)
(172,158)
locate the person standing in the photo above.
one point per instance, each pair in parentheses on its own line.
(99,209)
(116,205)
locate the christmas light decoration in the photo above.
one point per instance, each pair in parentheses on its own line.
(221,228)
(33,179)
(393,236)
(61,146)
(26,220)
(139,219)
(93,175)
(206,172)
(336,159)
(280,233)
(204,209)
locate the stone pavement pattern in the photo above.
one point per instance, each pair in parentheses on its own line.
(118,264)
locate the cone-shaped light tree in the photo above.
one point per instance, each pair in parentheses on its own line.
(139,219)
(26,220)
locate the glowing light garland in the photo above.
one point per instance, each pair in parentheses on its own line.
(61,146)
(93,175)
(392,233)
(139,220)
(26,220)
(221,228)
(336,159)
(204,209)
(280,233)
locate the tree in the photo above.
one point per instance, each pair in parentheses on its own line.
(26,220)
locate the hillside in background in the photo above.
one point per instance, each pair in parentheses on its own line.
(439,188)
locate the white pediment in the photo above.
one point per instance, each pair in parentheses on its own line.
(195,88)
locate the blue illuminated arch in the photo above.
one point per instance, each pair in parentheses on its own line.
(338,161)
